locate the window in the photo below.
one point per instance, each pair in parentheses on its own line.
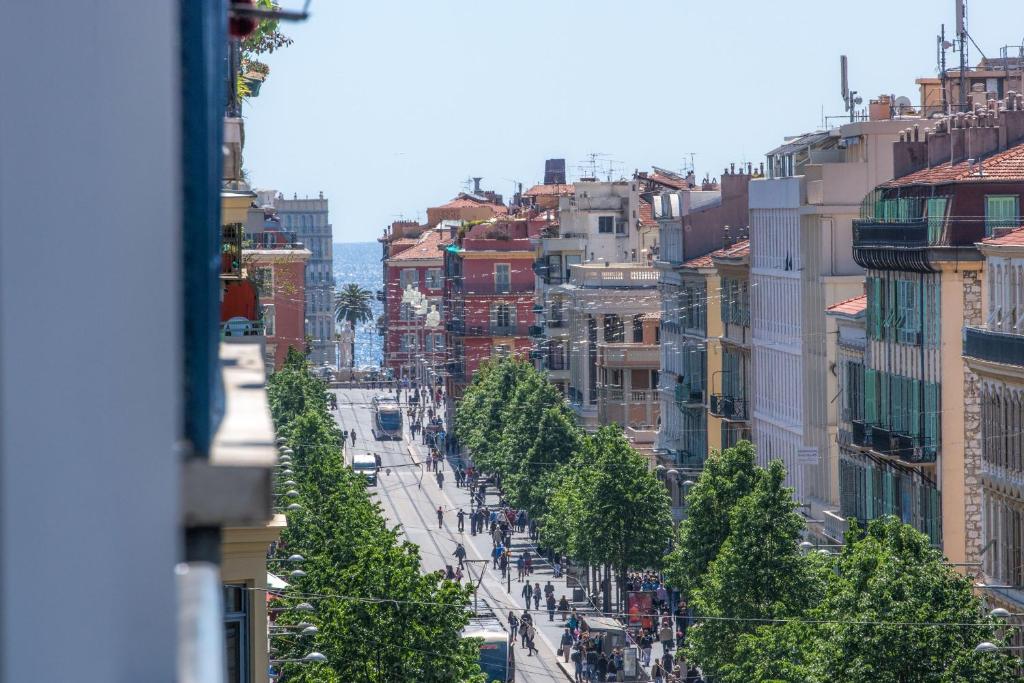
(503,318)
(502,278)
(405,312)
(620,226)
(409,276)
(438,342)
(263,278)
(236,633)
(409,342)
(554,272)
(638,329)
(433,278)
(570,261)
(605,224)
(908,312)
(614,330)
(428,343)
(269,320)
(1001,211)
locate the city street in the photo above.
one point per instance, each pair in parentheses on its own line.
(412,502)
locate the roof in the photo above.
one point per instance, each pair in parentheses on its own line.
(1005,165)
(553,189)
(428,246)
(668,178)
(851,307)
(1013,238)
(737,250)
(800,142)
(464,201)
(647,213)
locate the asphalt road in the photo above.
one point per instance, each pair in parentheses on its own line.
(411,502)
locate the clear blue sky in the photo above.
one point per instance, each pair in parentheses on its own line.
(389,106)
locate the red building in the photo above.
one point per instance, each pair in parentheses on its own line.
(488,296)
(412,347)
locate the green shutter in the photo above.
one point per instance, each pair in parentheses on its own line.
(931,417)
(884,405)
(875,307)
(1001,212)
(936,219)
(897,403)
(870,396)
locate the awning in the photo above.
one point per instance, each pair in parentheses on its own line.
(276,583)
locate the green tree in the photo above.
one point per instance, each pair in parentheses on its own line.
(479,416)
(758,574)
(353,305)
(891,576)
(727,477)
(555,440)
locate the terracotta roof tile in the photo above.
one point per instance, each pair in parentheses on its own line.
(737,250)
(854,306)
(1013,238)
(428,246)
(554,189)
(700,262)
(1005,165)
(647,213)
(677,183)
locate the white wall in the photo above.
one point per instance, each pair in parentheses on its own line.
(89,338)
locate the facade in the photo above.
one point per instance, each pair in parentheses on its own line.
(729,397)
(279,275)
(308,219)
(916,240)
(627,373)
(412,347)
(488,297)
(693,223)
(994,353)
(603,303)
(801,261)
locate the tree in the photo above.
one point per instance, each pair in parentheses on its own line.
(555,440)
(352,305)
(479,416)
(892,583)
(758,574)
(616,510)
(727,477)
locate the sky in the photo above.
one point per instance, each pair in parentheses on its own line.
(388,106)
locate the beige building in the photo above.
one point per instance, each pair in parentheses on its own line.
(628,375)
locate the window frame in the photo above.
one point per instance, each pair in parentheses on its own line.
(434,278)
(602,222)
(506,287)
(1003,221)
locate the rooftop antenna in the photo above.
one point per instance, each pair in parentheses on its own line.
(961,32)
(850,99)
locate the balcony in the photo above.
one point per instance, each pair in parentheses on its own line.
(231,236)
(556,323)
(858,432)
(688,397)
(728,407)
(614,276)
(629,355)
(892,245)
(456,327)
(536,331)
(242,327)
(995,347)
(380,295)
(836,526)
(890,444)
(557,363)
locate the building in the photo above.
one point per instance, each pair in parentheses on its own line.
(993,78)
(729,397)
(693,223)
(602,304)
(994,353)
(414,343)
(488,296)
(309,220)
(627,375)
(478,205)
(606,222)
(917,241)
(801,261)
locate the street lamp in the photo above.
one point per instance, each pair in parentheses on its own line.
(311,658)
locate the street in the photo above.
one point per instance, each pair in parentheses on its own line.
(413,503)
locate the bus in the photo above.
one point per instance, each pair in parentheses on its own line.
(497,655)
(366,465)
(387,418)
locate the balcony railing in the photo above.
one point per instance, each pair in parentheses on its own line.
(859,433)
(911,449)
(557,363)
(536,331)
(231,236)
(687,397)
(996,347)
(455,327)
(728,407)
(875,233)
(836,526)
(241,327)
(556,323)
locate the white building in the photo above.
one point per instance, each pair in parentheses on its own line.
(801,245)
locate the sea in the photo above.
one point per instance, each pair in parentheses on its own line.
(359,263)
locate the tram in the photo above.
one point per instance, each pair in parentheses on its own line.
(387,418)
(497,656)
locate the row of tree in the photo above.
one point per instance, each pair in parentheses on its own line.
(884,608)
(594,495)
(379,617)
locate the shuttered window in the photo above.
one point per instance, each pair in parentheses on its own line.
(1001,211)
(870,396)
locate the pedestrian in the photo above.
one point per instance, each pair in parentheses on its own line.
(353,434)
(460,553)
(461,516)
(440,516)
(503,563)
(536,595)
(528,562)
(665,635)
(551,605)
(549,590)
(532,631)
(496,555)
(577,660)
(496,535)
(666,663)
(440,479)
(602,667)
(565,645)
(657,673)
(527,592)
(612,670)
(458,574)
(513,624)
(591,666)
(563,607)
(646,643)
(520,567)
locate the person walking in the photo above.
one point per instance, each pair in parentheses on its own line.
(440,479)
(520,567)
(577,660)
(353,434)
(503,562)
(565,645)
(657,673)
(513,625)
(536,596)
(440,516)
(460,553)
(551,605)
(496,535)
(646,643)
(531,634)
(496,555)
(591,663)
(461,516)
(665,635)
(528,562)
(563,607)
(527,593)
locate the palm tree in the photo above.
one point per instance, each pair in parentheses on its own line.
(352,305)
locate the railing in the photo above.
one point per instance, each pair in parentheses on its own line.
(996,347)
(670,327)
(240,327)
(881,440)
(836,526)
(859,432)
(455,327)
(911,449)
(614,276)
(687,397)
(871,233)
(728,407)
(640,396)
(557,363)
(231,236)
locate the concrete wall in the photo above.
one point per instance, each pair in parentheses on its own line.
(89,341)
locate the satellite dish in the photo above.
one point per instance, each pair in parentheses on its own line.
(902,104)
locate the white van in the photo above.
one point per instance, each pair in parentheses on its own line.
(365,464)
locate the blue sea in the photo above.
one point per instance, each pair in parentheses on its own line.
(359,263)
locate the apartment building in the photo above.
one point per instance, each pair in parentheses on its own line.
(729,393)
(693,223)
(801,261)
(309,220)
(414,341)
(488,296)
(994,354)
(956,184)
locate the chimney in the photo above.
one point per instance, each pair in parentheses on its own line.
(726,240)
(476,185)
